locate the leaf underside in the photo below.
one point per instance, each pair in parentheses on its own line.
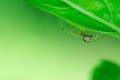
(98,15)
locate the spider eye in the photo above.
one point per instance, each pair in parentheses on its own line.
(90,35)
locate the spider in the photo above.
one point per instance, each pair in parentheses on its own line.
(86,37)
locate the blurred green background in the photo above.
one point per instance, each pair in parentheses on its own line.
(33,47)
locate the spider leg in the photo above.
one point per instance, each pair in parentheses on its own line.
(97,35)
(82,33)
(71,32)
(62,27)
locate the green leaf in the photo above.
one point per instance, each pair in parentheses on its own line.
(97,15)
(106,71)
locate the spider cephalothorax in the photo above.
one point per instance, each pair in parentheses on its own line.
(86,37)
